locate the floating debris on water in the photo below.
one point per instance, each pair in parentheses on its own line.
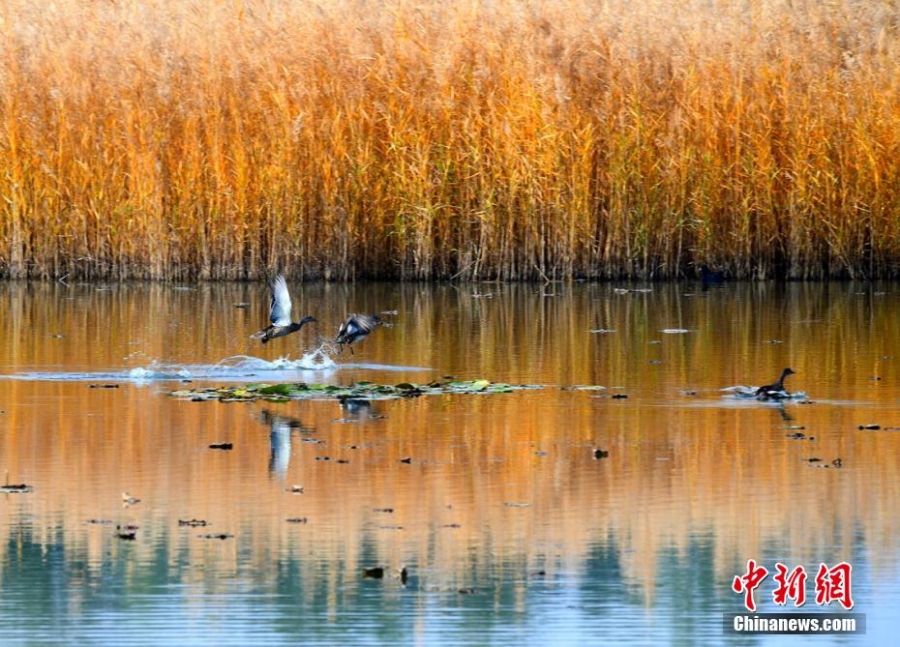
(869,427)
(16,488)
(104,386)
(837,463)
(127,499)
(373,572)
(127,532)
(194,523)
(297,520)
(223,446)
(294,489)
(600,454)
(220,535)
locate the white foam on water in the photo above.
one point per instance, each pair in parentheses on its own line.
(749,393)
(310,366)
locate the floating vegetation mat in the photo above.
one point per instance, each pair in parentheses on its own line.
(360,390)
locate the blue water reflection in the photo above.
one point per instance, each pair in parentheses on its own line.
(617,513)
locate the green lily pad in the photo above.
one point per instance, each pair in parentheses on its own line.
(277,389)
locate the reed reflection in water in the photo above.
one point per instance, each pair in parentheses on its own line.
(509,523)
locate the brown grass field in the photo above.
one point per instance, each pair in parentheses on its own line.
(505,139)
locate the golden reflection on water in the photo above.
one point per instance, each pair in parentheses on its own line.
(464,490)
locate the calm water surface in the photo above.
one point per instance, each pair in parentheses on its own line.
(509,528)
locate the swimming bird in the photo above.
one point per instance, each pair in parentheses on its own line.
(280,313)
(355,328)
(775,391)
(710,277)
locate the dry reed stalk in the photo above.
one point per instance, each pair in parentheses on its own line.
(473,140)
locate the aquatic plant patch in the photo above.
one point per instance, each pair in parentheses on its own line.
(359,390)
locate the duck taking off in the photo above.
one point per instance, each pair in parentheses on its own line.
(775,391)
(280,313)
(355,328)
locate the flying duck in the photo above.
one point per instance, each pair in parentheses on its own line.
(280,313)
(355,328)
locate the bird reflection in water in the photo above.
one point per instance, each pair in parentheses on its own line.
(357,410)
(281,430)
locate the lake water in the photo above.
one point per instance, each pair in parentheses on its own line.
(511,527)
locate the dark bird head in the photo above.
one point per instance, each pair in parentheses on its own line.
(295,326)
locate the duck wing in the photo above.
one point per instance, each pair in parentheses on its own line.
(366,323)
(347,329)
(280,308)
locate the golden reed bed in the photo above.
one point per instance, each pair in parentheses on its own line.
(399,139)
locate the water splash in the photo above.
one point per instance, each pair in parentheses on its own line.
(749,393)
(315,360)
(235,368)
(311,366)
